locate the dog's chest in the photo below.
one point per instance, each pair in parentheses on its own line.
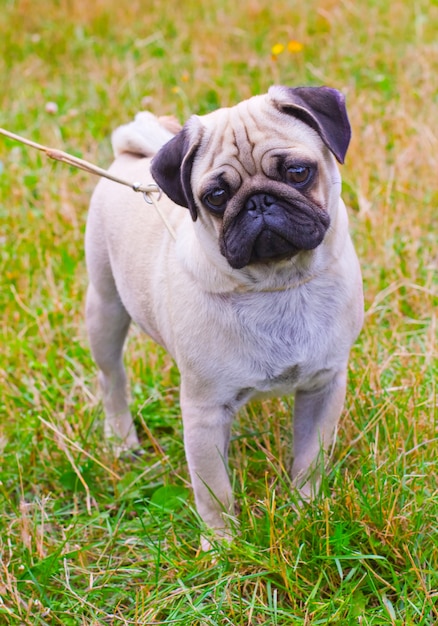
(285,340)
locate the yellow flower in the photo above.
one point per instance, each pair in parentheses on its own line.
(277,49)
(294,46)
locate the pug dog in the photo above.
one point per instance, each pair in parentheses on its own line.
(258,292)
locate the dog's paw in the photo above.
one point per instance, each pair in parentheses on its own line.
(130,454)
(214,539)
(214,545)
(127,448)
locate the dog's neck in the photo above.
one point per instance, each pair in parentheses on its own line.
(209,269)
(292,285)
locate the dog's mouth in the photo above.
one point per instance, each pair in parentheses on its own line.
(268,228)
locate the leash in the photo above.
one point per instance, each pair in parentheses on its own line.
(148,190)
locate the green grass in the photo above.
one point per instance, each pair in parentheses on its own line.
(89,539)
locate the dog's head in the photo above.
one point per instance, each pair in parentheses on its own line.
(260,174)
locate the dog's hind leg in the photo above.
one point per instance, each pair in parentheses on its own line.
(107,325)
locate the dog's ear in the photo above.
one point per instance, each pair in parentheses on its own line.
(322,108)
(171,167)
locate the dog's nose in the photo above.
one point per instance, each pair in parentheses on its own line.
(259,204)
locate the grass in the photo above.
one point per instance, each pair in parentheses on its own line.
(89,539)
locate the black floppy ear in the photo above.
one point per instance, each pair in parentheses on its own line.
(322,108)
(171,167)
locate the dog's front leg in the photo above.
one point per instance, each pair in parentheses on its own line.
(316,415)
(206,440)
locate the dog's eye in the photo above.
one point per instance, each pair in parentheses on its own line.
(299,175)
(216,199)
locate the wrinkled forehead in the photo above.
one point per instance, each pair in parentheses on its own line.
(243,136)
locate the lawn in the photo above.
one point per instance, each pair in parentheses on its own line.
(86,538)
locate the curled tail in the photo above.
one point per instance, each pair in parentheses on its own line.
(145,135)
